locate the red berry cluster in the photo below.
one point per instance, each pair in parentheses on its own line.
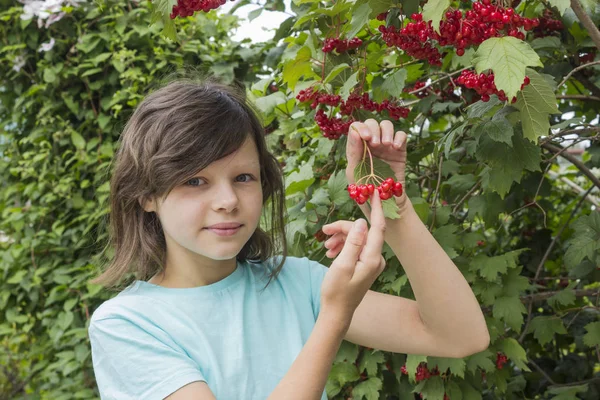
(484,85)
(387,189)
(334,127)
(382,16)
(501,359)
(547,25)
(458,30)
(186,8)
(357,101)
(341,45)
(422,372)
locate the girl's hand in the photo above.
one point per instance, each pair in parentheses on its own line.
(358,265)
(383,144)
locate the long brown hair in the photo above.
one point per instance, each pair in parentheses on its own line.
(178,130)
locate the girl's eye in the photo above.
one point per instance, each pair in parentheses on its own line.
(195,181)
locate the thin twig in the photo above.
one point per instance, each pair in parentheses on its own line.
(587,22)
(437,191)
(541,371)
(466,196)
(576,162)
(582,66)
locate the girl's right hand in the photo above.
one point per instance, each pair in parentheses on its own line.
(357,266)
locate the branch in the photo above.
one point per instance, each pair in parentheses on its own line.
(566,132)
(578,97)
(545,295)
(575,70)
(587,22)
(576,162)
(590,199)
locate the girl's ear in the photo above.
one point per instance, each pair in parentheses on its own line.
(147,205)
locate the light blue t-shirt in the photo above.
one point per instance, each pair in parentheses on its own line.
(149,341)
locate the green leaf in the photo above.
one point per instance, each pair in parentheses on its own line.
(515,353)
(336,185)
(567,393)
(565,297)
(561,5)
(412,362)
(78,140)
(433,389)
(480,108)
(456,365)
(506,164)
(268,103)
(349,85)
(368,389)
(360,17)
(298,181)
(344,372)
(536,102)
(49,75)
(252,15)
(510,310)
(370,361)
(592,337)
(448,239)
(394,83)
(498,129)
(434,11)
(544,328)
(508,57)
(298,67)
(585,241)
(335,72)
(482,360)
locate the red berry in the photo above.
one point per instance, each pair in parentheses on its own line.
(371,188)
(385,187)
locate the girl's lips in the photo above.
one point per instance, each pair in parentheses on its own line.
(225,232)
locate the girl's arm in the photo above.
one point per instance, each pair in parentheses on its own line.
(306,378)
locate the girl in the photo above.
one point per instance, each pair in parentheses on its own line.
(214,312)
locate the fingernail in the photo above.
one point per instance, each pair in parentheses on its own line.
(360,225)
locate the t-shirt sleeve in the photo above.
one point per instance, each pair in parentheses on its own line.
(316,272)
(133,362)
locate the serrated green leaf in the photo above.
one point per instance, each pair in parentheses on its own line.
(344,372)
(481,360)
(515,353)
(564,297)
(536,102)
(336,185)
(394,83)
(508,57)
(499,130)
(368,389)
(585,241)
(412,362)
(510,309)
(360,17)
(561,5)
(298,181)
(335,72)
(349,85)
(433,388)
(592,337)
(456,365)
(298,67)
(480,108)
(544,328)
(370,361)
(433,11)
(268,103)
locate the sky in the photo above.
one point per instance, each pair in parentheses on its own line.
(260,29)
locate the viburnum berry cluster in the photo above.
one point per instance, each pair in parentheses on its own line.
(333,127)
(501,359)
(387,189)
(547,25)
(460,30)
(341,45)
(484,85)
(187,8)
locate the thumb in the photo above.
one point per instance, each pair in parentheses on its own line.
(354,152)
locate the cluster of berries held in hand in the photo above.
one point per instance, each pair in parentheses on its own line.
(341,45)
(387,189)
(484,85)
(187,8)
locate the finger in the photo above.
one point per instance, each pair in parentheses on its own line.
(332,253)
(387,132)
(375,238)
(400,139)
(343,226)
(353,246)
(334,241)
(375,131)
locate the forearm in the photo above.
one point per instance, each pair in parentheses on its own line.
(306,378)
(446,302)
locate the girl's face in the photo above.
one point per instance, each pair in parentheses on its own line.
(227,191)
